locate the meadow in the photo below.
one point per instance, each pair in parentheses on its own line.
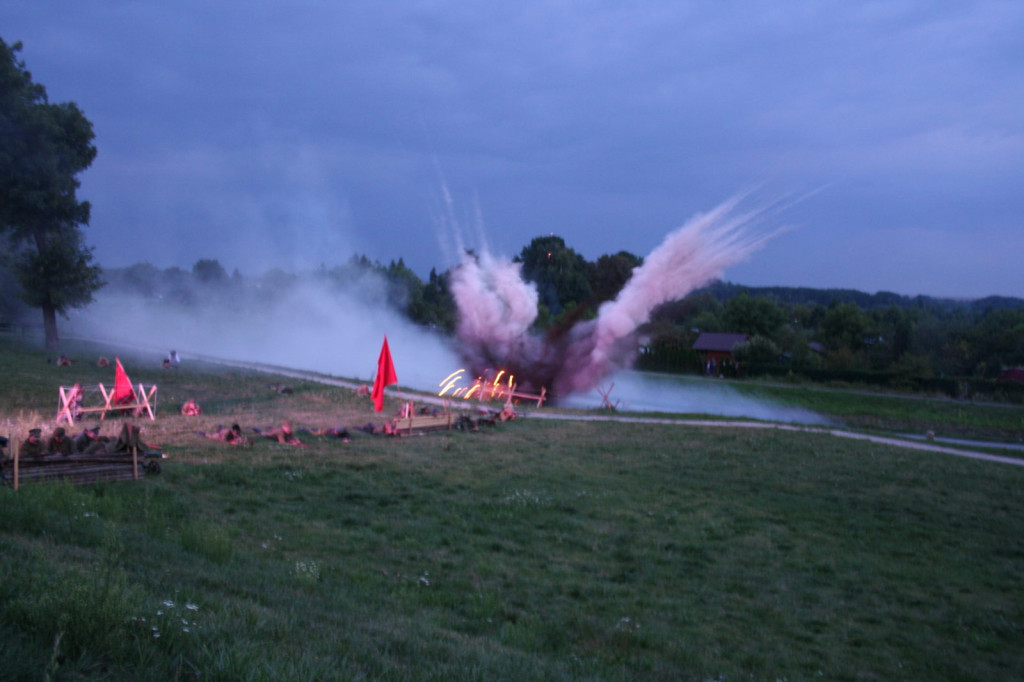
(531,550)
(900,413)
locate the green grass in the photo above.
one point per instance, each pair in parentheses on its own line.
(535,550)
(900,413)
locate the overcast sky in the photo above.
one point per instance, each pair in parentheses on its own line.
(292,133)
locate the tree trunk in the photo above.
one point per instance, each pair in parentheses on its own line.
(50,328)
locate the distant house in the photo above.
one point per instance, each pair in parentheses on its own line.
(716,348)
(1014,374)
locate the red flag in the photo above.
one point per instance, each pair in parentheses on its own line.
(385,376)
(123,391)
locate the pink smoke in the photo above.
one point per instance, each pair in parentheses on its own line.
(497,307)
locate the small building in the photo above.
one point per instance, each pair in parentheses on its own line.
(1012,374)
(715,349)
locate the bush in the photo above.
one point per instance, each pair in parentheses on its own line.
(756,349)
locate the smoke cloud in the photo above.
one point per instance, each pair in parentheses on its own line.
(496,306)
(309,323)
(650,392)
(302,324)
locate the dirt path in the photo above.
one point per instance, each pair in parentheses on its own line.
(732,423)
(839,433)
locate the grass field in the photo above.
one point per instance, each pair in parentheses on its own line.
(533,550)
(901,413)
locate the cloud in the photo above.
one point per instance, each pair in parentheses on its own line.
(604,123)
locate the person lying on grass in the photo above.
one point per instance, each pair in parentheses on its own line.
(282,434)
(332,431)
(231,436)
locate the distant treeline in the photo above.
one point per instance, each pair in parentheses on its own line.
(723,291)
(958,347)
(917,342)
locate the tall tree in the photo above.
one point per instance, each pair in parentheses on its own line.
(610,273)
(436,305)
(558,271)
(43,148)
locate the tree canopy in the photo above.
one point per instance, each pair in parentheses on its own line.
(609,273)
(559,273)
(43,148)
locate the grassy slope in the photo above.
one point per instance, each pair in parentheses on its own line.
(534,550)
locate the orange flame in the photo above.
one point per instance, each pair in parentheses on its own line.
(450,381)
(482,388)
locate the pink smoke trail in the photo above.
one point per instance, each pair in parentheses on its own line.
(496,307)
(688,258)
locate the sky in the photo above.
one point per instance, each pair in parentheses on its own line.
(294,134)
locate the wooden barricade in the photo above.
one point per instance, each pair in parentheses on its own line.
(539,397)
(509,394)
(78,469)
(72,402)
(410,423)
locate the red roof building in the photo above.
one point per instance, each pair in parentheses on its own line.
(1014,374)
(714,348)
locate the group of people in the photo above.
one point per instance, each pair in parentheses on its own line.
(281,434)
(65,361)
(235,436)
(89,441)
(58,443)
(484,415)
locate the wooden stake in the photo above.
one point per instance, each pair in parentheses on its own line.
(16,454)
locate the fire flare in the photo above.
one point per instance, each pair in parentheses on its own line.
(484,389)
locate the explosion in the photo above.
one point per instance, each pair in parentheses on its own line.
(497,306)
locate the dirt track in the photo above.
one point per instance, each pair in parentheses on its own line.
(839,433)
(732,423)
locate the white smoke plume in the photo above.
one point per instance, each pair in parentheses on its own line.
(496,306)
(303,325)
(308,323)
(494,303)
(632,391)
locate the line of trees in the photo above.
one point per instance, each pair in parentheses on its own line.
(903,337)
(569,285)
(818,332)
(823,334)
